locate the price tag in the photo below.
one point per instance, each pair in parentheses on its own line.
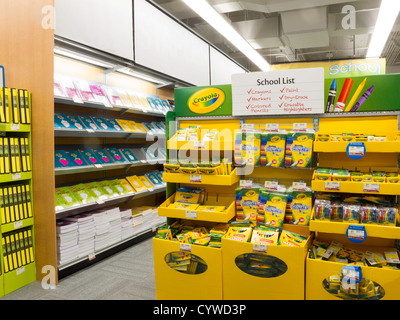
(190,214)
(20,271)
(371,187)
(107,104)
(186,247)
(247,126)
(91,256)
(356,233)
(199,144)
(15,126)
(100,201)
(299,186)
(262,248)
(245,183)
(90,130)
(195,178)
(16,176)
(332,185)
(98,165)
(18,224)
(272,127)
(300,126)
(77,100)
(143,161)
(356,150)
(271,185)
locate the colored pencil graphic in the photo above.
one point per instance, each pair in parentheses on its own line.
(364,97)
(344,94)
(355,96)
(330,105)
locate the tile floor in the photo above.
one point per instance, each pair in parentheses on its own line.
(127,275)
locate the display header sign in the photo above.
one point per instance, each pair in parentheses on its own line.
(203,101)
(293,92)
(341,68)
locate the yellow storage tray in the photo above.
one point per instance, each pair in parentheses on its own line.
(370,146)
(175,285)
(221,180)
(318,287)
(222,144)
(288,285)
(372,230)
(213,199)
(357,187)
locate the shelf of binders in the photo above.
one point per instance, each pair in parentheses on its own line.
(16,208)
(109,107)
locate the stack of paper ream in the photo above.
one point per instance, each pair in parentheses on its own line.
(102,227)
(126,224)
(67,241)
(114,216)
(147,218)
(86,233)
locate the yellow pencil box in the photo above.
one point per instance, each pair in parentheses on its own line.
(171,168)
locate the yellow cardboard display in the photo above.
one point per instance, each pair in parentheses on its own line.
(175,285)
(238,285)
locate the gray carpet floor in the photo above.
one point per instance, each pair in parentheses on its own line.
(127,275)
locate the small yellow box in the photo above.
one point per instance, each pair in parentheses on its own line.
(392,177)
(285,279)
(172,284)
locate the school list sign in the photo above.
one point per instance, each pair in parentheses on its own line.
(299,91)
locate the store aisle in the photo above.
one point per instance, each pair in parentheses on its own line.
(127,275)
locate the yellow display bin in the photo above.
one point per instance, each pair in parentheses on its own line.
(282,285)
(357,187)
(372,230)
(175,285)
(385,281)
(220,180)
(213,199)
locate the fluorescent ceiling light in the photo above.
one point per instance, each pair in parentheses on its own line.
(130,72)
(209,14)
(388,13)
(83,58)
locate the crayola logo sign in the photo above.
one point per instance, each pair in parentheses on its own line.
(206,100)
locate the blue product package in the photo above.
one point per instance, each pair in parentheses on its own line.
(62,159)
(103,156)
(62,121)
(89,123)
(115,155)
(129,155)
(90,157)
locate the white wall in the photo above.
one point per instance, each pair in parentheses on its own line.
(102,24)
(222,68)
(162,44)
